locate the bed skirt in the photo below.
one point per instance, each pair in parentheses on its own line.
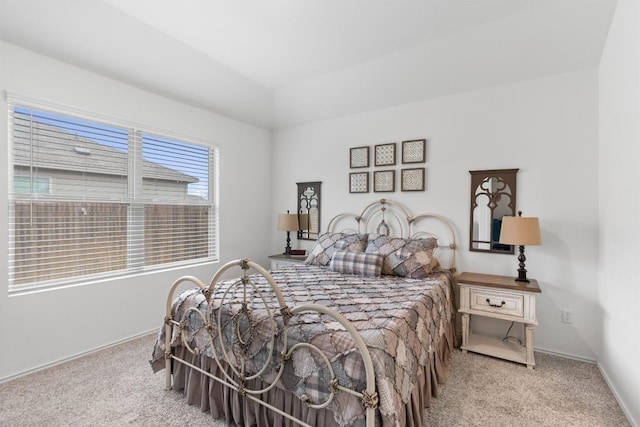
(224,403)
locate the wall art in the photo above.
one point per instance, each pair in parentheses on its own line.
(414,151)
(359,182)
(412,179)
(384,181)
(385,154)
(359,157)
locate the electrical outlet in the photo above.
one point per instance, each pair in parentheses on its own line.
(567,316)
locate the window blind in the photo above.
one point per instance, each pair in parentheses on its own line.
(94,199)
(177,206)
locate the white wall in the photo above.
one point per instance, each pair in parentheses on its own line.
(619,185)
(41,328)
(546,127)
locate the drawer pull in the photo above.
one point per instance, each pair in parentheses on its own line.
(495,305)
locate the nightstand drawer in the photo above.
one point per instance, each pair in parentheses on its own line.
(504,303)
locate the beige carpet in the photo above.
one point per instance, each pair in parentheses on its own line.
(483,391)
(116,387)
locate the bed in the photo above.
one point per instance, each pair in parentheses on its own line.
(361,334)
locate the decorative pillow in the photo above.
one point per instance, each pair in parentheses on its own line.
(328,243)
(360,263)
(384,245)
(414,259)
(403,257)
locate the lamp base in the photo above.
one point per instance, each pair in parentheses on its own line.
(287,249)
(522,272)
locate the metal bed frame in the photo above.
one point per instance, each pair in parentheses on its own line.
(368,396)
(391,217)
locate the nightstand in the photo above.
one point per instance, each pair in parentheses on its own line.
(282,260)
(498,297)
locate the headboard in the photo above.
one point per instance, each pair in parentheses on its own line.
(394,219)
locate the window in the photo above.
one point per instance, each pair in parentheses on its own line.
(23,184)
(92,199)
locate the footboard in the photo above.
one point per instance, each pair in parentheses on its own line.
(248,335)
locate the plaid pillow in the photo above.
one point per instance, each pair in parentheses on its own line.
(328,243)
(360,263)
(404,257)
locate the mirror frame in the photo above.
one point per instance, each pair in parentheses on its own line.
(303,207)
(508,176)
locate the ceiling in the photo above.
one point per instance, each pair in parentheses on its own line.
(280,63)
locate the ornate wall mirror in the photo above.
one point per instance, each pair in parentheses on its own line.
(493,195)
(309,206)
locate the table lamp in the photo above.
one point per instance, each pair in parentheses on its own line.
(288,222)
(521,231)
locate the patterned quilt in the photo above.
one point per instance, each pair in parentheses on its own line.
(401,320)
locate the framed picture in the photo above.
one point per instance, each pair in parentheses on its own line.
(384,181)
(412,179)
(385,154)
(359,157)
(359,182)
(414,151)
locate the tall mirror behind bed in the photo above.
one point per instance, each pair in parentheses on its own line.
(493,196)
(309,207)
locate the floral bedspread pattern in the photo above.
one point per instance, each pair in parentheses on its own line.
(402,321)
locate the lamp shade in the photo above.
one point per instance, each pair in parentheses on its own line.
(522,231)
(288,222)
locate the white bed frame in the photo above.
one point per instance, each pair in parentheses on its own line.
(390,218)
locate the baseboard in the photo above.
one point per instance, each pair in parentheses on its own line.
(76,356)
(566,356)
(614,391)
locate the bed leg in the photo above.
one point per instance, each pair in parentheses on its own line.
(167,378)
(167,356)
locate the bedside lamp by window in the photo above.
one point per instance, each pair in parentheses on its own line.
(521,231)
(288,222)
